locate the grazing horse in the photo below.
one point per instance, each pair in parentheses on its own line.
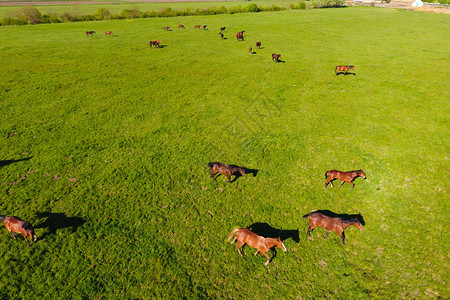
(221,35)
(258,44)
(240,36)
(14,224)
(344,69)
(336,224)
(181,26)
(261,244)
(91,32)
(108,33)
(222,28)
(250,49)
(343,176)
(166,28)
(197,26)
(154,43)
(227,170)
(276,57)
(204,27)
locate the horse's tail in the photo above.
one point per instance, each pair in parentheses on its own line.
(2,218)
(335,70)
(326,174)
(307,215)
(233,233)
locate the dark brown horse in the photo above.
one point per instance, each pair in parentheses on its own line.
(336,224)
(240,36)
(227,170)
(261,244)
(343,176)
(14,224)
(258,44)
(276,57)
(204,27)
(344,69)
(154,43)
(108,33)
(222,28)
(181,26)
(221,35)
(91,32)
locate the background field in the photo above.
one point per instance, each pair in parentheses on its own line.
(105,142)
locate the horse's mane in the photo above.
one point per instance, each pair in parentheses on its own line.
(352,220)
(27,226)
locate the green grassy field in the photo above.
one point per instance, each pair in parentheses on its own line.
(157,7)
(105,142)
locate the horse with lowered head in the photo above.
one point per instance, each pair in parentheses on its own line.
(14,224)
(227,170)
(261,244)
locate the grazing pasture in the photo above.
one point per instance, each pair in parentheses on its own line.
(104,144)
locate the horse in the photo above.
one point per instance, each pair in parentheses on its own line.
(349,176)
(344,69)
(258,44)
(14,224)
(154,43)
(204,27)
(108,33)
(181,26)
(240,36)
(261,244)
(336,224)
(276,57)
(227,170)
(222,28)
(221,35)
(197,26)
(166,28)
(250,49)
(91,32)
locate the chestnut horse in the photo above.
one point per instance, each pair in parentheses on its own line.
(261,244)
(343,176)
(14,224)
(344,69)
(227,170)
(108,33)
(197,26)
(276,57)
(250,49)
(240,35)
(181,26)
(336,224)
(90,32)
(258,44)
(166,28)
(155,43)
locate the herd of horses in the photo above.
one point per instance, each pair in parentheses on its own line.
(325,219)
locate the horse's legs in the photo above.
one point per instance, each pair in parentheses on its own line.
(342,183)
(353,185)
(330,181)
(14,235)
(239,245)
(324,237)
(268,258)
(343,238)
(25,237)
(309,232)
(229,178)
(256,253)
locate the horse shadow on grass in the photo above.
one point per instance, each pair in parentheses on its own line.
(267,231)
(345,74)
(57,221)
(331,214)
(254,172)
(12,161)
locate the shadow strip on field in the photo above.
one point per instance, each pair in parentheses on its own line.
(57,221)
(11,161)
(267,231)
(331,214)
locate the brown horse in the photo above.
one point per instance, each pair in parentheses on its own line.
(344,69)
(336,224)
(155,43)
(197,26)
(258,44)
(240,36)
(276,57)
(204,27)
(221,35)
(14,224)
(108,33)
(261,244)
(343,176)
(181,26)
(227,170)
(166,28)
(250,49)
(91,32)
(222,28)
